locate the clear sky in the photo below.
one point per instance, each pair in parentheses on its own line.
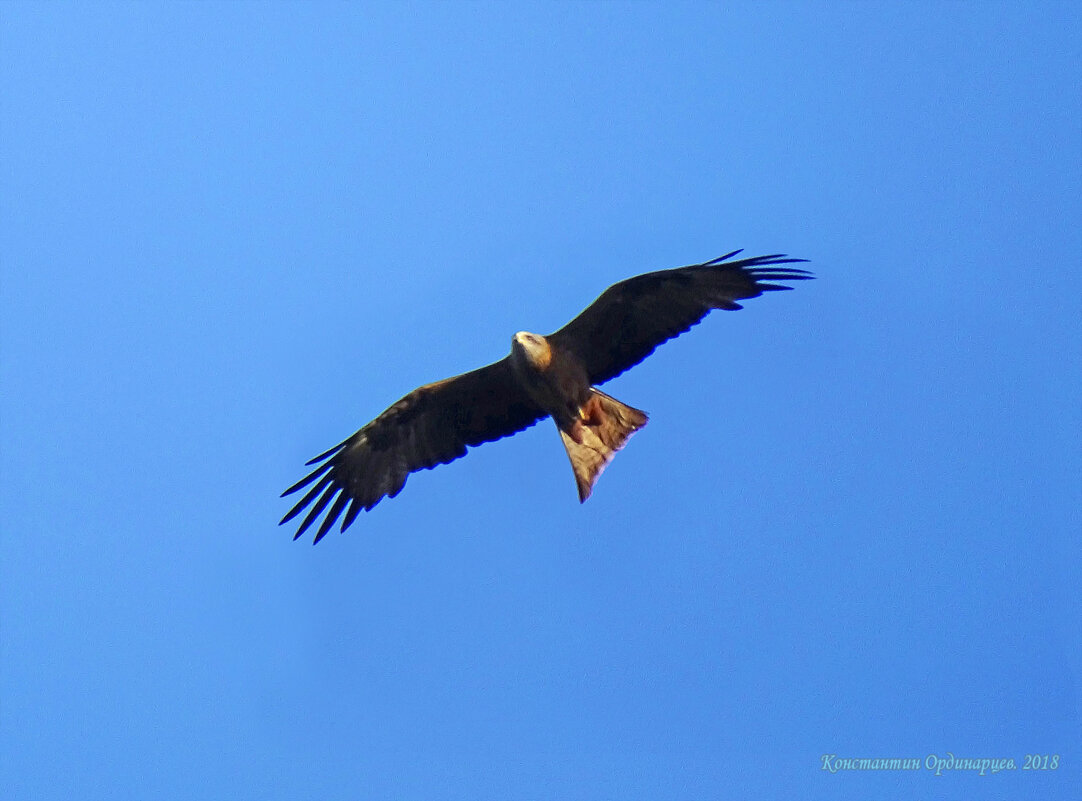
(234,233)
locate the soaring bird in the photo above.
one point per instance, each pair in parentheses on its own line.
(543,376)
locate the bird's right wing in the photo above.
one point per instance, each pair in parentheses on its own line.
(432,425)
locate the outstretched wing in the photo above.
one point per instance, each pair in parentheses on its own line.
(432,425)
(630,319)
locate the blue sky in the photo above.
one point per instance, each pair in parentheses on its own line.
(232,234)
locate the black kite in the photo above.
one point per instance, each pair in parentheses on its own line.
(551,376)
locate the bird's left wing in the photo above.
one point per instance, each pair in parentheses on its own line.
(432,425)
(624,325)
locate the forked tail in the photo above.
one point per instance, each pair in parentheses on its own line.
(592,441)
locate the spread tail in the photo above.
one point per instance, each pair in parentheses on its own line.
(591,442)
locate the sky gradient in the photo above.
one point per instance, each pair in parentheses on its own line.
(231,234)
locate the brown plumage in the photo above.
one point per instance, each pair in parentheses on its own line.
(551,376)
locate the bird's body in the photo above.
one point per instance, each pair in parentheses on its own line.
(551,376)
(592,425)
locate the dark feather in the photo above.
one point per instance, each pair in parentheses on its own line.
(630,319)
(430,426)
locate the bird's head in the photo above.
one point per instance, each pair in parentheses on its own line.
(531,350)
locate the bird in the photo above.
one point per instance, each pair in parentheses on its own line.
(543,376)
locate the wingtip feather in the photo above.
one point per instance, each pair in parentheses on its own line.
(332,517)
(726,257)
(326,453)
(319,506)
(351,513)
(308,479)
